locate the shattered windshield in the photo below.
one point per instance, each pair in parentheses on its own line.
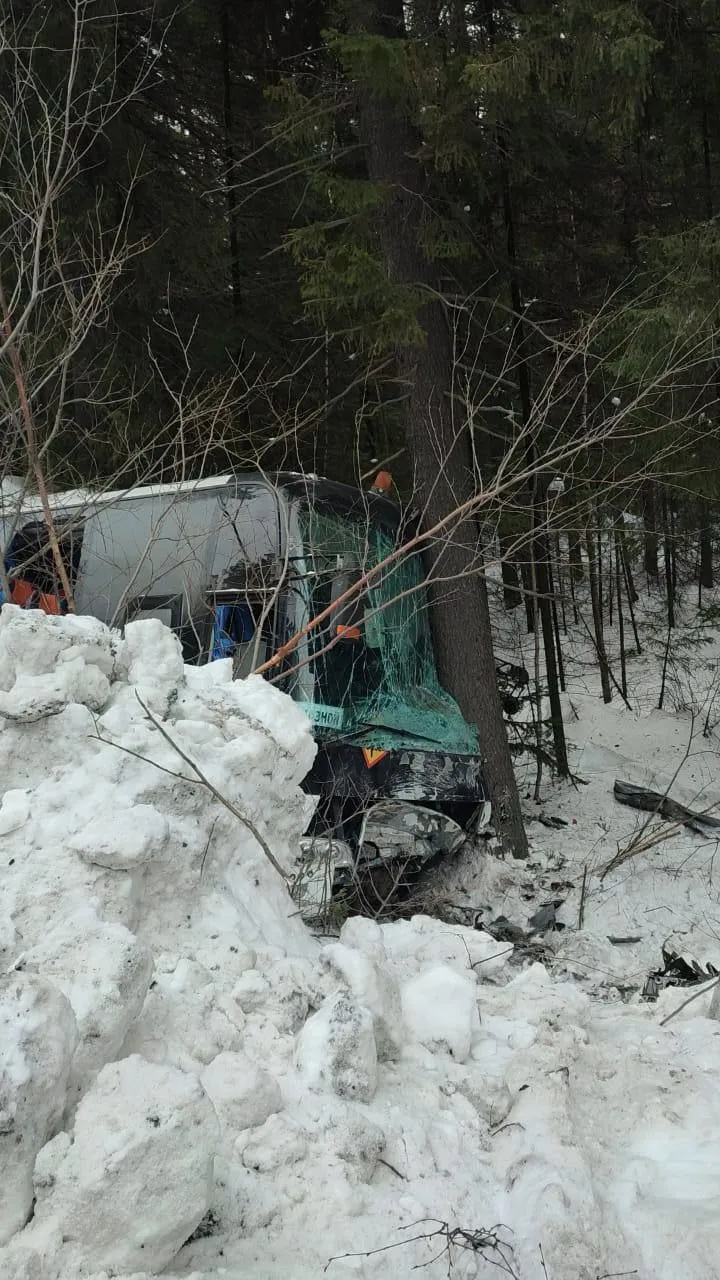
(370,663)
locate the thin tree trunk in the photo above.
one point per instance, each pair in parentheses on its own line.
(621,620)
(633,596)
(667,562)
(597,620)
(556,625)
(542,580)
(673,521)
(512,595)
(527,577)
(651,542)
(599,572)
(707,165)
(560,583)
(706,556)
(573,597)
(611,579)
(577,569)
(538,717)
(440,450)
(229,156)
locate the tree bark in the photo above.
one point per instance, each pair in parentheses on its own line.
(542,579)
(597,620)
(649,511)
(668,562)
(439,447)
(512,595)
(229,156)
(706,556)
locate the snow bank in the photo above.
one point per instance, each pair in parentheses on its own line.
(120,871)
(192,1086)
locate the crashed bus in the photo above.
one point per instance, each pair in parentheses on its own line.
(238,566)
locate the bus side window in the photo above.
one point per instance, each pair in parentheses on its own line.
(234,634)
(31,569)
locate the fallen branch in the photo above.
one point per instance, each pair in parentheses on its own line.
(695,996)
(662,805)
(486,1242)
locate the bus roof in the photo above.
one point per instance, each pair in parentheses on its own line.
(295,483)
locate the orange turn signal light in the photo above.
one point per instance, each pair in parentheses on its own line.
(382,483)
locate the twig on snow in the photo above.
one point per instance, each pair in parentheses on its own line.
(695,996)
(207,847)
(485,1242)
(583,891)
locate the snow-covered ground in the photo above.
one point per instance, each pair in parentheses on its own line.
(193,1085)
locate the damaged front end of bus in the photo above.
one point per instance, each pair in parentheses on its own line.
(398,775)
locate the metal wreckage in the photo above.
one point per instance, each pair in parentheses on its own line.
(238,565)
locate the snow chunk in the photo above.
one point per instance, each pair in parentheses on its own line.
(262,704)
(364,935)
(372,987)
(336,1049)
(37,1042)
(278,1143)
(37,697)
(49,663)
(153,653)
(33,644)
(355,1138)
(462,949)
(243,1094)
(251,991)
(137,1178)
(128,838)
(440,1009)
(182,1020)
(105,972)
(14,811)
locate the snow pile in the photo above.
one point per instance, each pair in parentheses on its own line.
(192,1086)
(130,900)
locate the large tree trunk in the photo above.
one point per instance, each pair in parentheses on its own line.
(440,452)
